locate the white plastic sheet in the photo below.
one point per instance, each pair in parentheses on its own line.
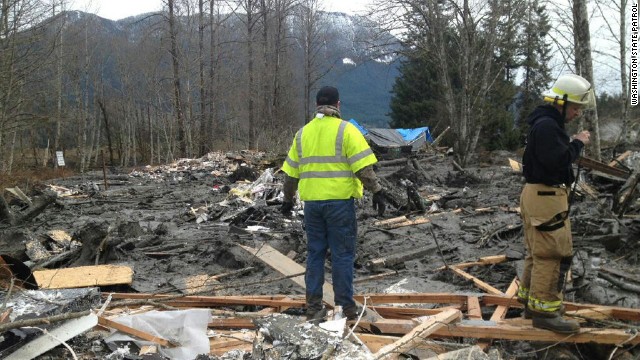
(185,327)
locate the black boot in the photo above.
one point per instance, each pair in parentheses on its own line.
(554,322)
(353,312)
(316,312)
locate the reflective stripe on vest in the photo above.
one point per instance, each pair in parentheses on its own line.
(338,158)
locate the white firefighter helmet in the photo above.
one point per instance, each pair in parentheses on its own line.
(576,89)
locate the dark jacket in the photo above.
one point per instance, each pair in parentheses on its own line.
(549,152)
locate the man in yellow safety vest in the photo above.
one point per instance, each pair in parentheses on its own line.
(328,163)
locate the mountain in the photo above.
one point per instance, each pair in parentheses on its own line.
(126,52)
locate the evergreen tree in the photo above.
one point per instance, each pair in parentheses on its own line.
(414,102)
(536,53)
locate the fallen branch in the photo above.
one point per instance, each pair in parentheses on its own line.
(619,283)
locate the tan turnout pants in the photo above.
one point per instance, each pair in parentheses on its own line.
(547,236)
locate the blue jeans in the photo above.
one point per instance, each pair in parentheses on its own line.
(331,224)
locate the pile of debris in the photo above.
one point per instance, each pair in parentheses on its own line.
(194,260)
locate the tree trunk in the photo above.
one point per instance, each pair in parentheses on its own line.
(584,67)
(177,92)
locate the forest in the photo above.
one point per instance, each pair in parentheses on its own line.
(205,75)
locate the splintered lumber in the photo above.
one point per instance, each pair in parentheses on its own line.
(376,342)
(473,308)
(602,167)
(487,260)
(492,330)
(617,312)
(83,276)
(224,341)
(515,165)
(286,266)
(501,311)
(213,301)
(479,283)
(135,332)
(394,259)
(521,332)
(625,193)
(619,159)
(419,333)
(386,222)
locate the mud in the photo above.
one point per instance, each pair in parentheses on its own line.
(182,220)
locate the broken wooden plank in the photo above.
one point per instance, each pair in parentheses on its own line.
(391,221)
(135,332)
(473,308)
(479,283)
(501,311)
(395,259)
(602,167)
(487,260)
(625,194)
(619,159)
(617,312)
(515,165)
(495,331)
(83,276)
(376,342)
(419,333)
(491,330)
(286,266)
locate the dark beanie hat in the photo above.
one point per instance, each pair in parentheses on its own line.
(327,95)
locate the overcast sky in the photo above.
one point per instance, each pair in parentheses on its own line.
(119,9)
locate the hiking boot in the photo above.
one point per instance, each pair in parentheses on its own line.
(316,316)
(353,313)
(554,322)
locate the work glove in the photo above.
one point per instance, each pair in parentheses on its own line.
(379,202)
(286,208)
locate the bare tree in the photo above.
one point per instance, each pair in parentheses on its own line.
(462,37)
(618,35)
(584,65)
(177,87)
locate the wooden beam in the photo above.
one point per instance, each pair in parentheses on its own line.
(501,311)
(419,333)
(83,276)
(617,312)
(135,332)
(286,266)
(414,298)
(473,308)
(619,159)
(376,342)
(479,283)
(487,260)
(602,167)
(523,332)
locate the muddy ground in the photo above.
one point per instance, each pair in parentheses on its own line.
(184,219)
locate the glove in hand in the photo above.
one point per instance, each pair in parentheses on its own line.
(379,202)
(286,208)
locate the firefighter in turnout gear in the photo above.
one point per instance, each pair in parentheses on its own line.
(544,202)
(328,163)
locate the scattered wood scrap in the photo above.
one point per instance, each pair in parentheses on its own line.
(83,276)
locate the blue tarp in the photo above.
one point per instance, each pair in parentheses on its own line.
(360,127)
(411,134)
(395,137)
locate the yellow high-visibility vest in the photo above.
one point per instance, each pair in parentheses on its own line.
(325,155)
